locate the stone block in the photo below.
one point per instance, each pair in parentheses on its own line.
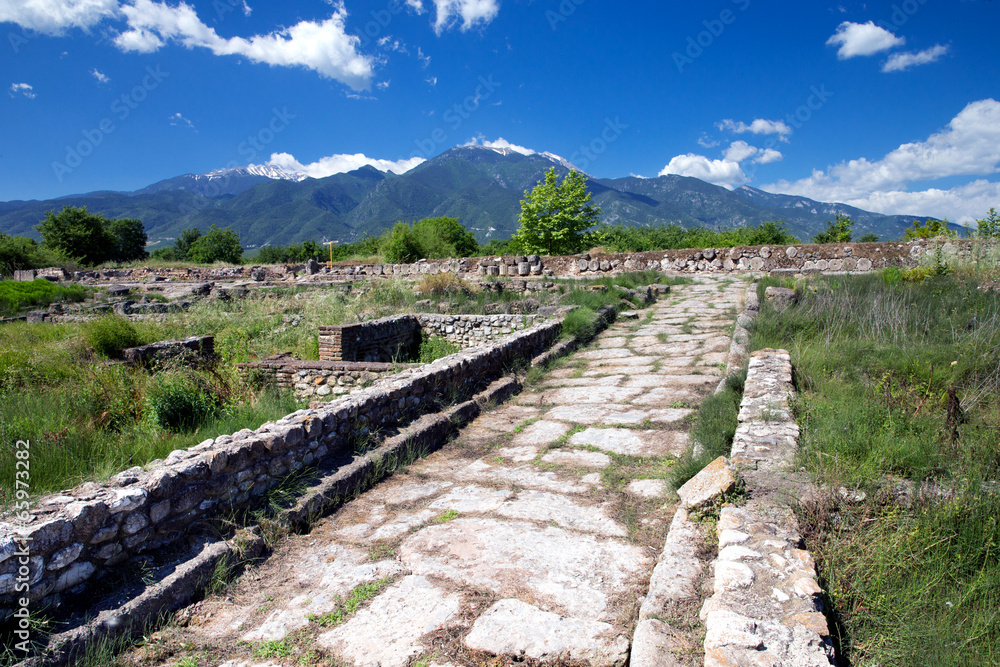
(714,480)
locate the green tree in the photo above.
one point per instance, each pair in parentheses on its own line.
(399,245)
(927,230)
(182,246)
(870,237)
(442,237)
(77,233)
(554,215)
(216,245)
(989,226)
(838,231)
(128,238)
(20,252)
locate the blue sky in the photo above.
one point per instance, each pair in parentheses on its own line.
(891,106)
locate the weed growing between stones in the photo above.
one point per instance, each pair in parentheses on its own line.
(899,407)
(346,607)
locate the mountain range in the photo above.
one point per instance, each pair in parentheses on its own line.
(481,186)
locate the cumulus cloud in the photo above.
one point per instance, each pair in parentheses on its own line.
(968,146)
(758,126)
(322,46)
(21,89)
(899,62)
(726,173)
(739,151)
(862,39)
(499,144)
(339,164)
(962,203)
(464,13)
(178,120)
(99,75)
(767,156)
(54,17)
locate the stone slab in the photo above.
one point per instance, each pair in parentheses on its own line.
(563,511)
(467,499)
(632,442)
(540,433)
(565,572)
(387,633)
(515,628)
(577,457)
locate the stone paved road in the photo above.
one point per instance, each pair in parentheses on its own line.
(533,534)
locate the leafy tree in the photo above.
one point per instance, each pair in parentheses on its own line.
(554,215)
(77,233)
(184,242)
(928,230)
(20,252)
(838,231)
(444,237)
(870,237)
(216,245)
(989,226)
(128,238)
(399,245)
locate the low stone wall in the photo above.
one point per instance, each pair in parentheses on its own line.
(385,340)
(75,535)
(310,379)
(397,337)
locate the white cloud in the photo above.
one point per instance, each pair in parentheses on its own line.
(424,59)
(767,156)
(862,39)
(178,120)
(739,151)
(500,144)
(322,46)
(432,80)
(705,142)
(99,75)
(382,85)
(53,17)
(416,5)
(339,164)
(758,126)
(962,203)
(720,172)
(898,62)
(21,89)
(968,146)
(470,12)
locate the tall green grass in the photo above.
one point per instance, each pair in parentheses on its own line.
(910,582)
(16,297)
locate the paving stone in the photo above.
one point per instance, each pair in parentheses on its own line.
(563,511)
(471,499)
(518,454)
(540,433)
(387,633)
(504,419)
(617,369)
(571,395)
(402,494)
(402,525)
(632,442)
(577,457)
(665,396)
(647,488)
(516,628)
(567,573)
(524,476)
(611,353)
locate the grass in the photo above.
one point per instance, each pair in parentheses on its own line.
(715,423)
(16,297)
(346,607)
(898,388)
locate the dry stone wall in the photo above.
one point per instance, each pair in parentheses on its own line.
(75,535)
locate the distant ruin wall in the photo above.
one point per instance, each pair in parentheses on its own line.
(75,535)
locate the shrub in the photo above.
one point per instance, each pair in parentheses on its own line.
(176,403)
(217,245)
(110,335)
(399,246)
(581,323)
(435,347)
(443,284)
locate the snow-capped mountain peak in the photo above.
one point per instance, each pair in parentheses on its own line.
(265,170)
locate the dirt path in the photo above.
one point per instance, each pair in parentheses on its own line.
(533,534)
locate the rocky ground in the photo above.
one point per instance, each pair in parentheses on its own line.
(532,535)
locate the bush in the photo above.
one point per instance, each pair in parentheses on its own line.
(19,252)
(581,323)
(110,335)
(177,404)
(399,245)
(435,347)
(443,284)
(217,245)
